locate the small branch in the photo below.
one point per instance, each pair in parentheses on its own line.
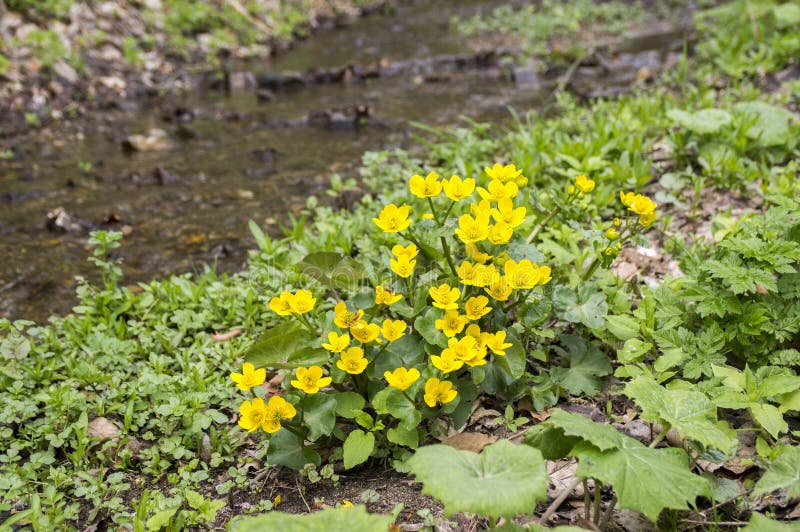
(607,516)
(560,499)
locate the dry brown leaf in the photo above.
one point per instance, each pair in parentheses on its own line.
(102,428)
(221,337)
(469,441)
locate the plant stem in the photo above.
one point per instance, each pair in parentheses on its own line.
(541,224)
(661,436)
(447,256)
(447,212)
(598,490)
(560,499)
(607,516)
(433,211)
(410,400)
(587,501)
(308,325)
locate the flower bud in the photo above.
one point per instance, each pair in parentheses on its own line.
(521,181)
(617,222)
(570,190)
(612,234)
(501,259)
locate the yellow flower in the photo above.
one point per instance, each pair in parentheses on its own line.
(484,275)
(523,275)
(250,377)
(281,305)
(254,414)
(408,252)
(437,391)
(401,378)
(544,275)
(425,187)
(484,207)
(467,350)
(447,362)
(310,380)
(346,504)
(451,324)
(352,361)
(386,297)
(475,307)
(393,219)
(302,302)
(500,233)
(502,173)
(471,230)
(639,204)
(497,343)
(402,266)
(466,273)
(474,331)
(337,343)
(584,184)
(647,219)
(456,189)
(476,254)
(506,213)
(497,191)
(343,318)
(428,216)
(365,332)
(277,408)
(393,329)
(499,288)
(444,297)
(612,234)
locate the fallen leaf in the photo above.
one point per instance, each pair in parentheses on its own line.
(469,441)
(221,337)
(102,428)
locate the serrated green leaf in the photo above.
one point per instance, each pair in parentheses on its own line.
(357,448)
(704,121)
(783,473)
(503,481)
(329,520)
(590,309)
(769,417)
(586,365)
(604,437)
(689,412)
(319,415)
(645,480)
(761,523)
(623,327)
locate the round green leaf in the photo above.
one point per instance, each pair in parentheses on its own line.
(504,480)
(330,520)
(357,448)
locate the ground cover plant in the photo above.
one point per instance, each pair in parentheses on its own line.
(151,405)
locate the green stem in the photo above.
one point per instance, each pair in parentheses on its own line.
(541,224)
(591,269)
(450,208)
(598,488)
(447,256)
(410,400)
(607,516)
(294,430)
(308,325)
(587,501)
(661,436)
(433,211)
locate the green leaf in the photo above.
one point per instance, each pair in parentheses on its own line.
(783,473)
(162,518)
(504,480)
(319,415)
(645,480)
(623,327)
(604,437)
(761,523)
(333,269)
(514,361)
(769,417)
(348,404)
(357,448)
(634,350)
(277,345)
(787,15)
(702,122)
(587,308)
(425,325)
(772,123)
(329,520)
(401,408)
(288,449)
(404,436)
(689,412)
(550,440)
(586,364)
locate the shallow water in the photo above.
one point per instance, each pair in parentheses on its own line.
(221,176)
(245,159)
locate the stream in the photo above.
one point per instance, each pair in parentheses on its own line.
(256,151)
